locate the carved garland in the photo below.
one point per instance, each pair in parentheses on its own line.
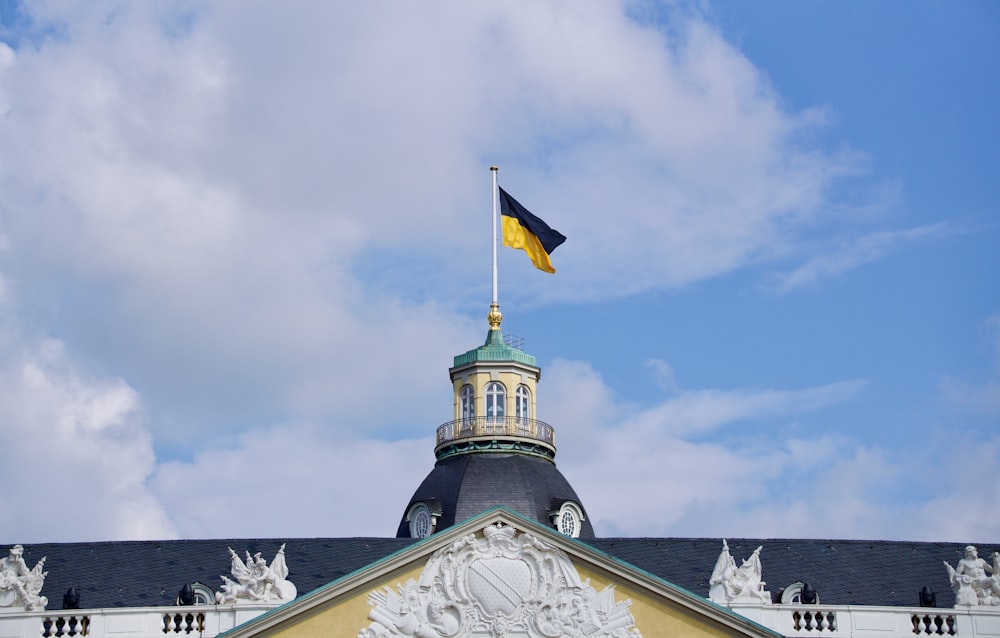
(502,583)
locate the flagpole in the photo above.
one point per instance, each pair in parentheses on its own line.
(494,317)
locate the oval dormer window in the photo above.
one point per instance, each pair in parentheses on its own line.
(421,521)
(569,519)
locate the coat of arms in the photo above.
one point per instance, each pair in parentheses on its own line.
(503,583)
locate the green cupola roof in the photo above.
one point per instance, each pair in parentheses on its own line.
(494,350)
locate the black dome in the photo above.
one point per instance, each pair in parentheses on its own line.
(459,487)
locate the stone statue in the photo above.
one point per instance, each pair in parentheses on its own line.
(404,614)
(743,584)
(970,580)
(20,586)
(256,581)
(995,579)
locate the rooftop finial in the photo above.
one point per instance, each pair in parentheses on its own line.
(495,316)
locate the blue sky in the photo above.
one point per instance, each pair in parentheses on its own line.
(239,245)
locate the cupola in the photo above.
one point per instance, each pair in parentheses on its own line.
(494,451)
(494,388)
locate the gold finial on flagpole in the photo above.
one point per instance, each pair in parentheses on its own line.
(494,317)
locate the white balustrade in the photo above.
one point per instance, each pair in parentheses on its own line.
(849,621)
(204,621)
(207,621)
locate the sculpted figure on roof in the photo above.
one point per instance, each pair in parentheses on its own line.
(975,581)
(255,581)
(20,586)
(732,584)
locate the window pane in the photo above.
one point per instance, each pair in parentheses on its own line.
(468,403)
(522,403)
(495,398)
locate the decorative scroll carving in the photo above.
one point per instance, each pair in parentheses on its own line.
(256,581)
(20,586)
(970,580)
(502,583)
(731,584)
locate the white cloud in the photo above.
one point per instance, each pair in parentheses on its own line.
(238,209)
(655,471)
(77,454)
(6,61)
(292,481)
(698,411)
(982,397)
(365,130)
(851,254)
(636,472)
(664,375)
(965,509)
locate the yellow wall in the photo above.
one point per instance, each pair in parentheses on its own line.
(344,616)
(347,614)
(509,377)
(653,616)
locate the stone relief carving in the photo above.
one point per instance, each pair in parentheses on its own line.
(731,584)
(256,581)
(974,581)
(20,586)
(502,583)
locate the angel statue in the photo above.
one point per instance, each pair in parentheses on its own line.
(20,586)
(255,580)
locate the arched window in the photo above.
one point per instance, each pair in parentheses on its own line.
(522,402)
(467,397)
(496,397)
(793,594)
(203,594)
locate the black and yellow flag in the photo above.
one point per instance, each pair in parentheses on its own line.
(523,230)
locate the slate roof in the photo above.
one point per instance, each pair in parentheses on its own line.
(150,573)
(843,572)
(465,485)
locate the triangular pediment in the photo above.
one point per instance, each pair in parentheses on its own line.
(499,575)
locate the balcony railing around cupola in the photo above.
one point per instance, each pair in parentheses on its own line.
(490,428)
